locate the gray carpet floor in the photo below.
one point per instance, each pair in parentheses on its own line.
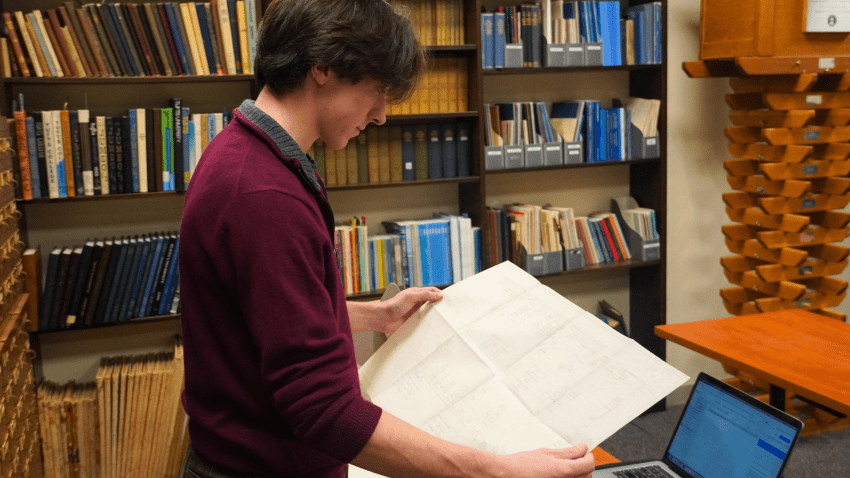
(825,455)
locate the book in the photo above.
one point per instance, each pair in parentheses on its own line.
(85,262)
(171,279)
(31,262)
(112,281)
(192,38)
(102,154)
(68,263)
(234,34)
(76,152)
(158,245)
(226,35)
(175,39)
(38,127)
(92,15)
(351,169)
(83,137)
(487,41)
(155,171)
(87,282)
(148,37)
(133,138)
(47,302)
(140,264)
(167,134)
(207,36)
(130,177)
(23,151)
(119,308)
(420,150)
(161,275)
(242,25)
(383,153)
(396,166)
(408,154)
(116,182)
(463,152)
(44,36)
(448,150)
(64,153)
(36,164)
(373,153)
(111,29)
(362,158)
(178,147)
(52,166)
(60,44)
(435,152)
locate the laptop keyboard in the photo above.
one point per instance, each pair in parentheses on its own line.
(652,471)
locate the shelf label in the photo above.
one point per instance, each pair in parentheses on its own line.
(514,150)
(826,63)
(808,203)
(552,148)
(556,49)
(574,48)
(651,141)
(594,47)
(812,135)
(810,169)
(494,153)
(814,100)
(573,152)
(828,16)
(533,149)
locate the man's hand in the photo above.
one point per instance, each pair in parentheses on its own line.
(575,461)
(389,315)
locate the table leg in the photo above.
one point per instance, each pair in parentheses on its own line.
(777,397)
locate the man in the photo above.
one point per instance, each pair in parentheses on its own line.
(271,378)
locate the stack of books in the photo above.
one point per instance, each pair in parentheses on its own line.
(125,39)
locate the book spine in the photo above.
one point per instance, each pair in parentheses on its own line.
(126,154)
(84,140)
(181,39)
(114,184)
(449,150)
(44,37)
(105,261)
(107,22)
(32,154)
(41,155)
(23,153)
(184,16)
(435,160)
(167,132)
(102,154)
(142,148)
(112,55)
(133,135)
(161,40)
(185,172)
(242,24)
(408,154)
(251,20)
(61,44)
(62,134)
(40,46)
(234,35)
(171,279)
(208,38)
(134,58)
(226,36)
(55,169)
(177,178)
(76,152)
(137,34)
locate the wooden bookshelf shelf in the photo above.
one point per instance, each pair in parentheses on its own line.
(421,118)
(104,197)
(133,321)
(567,69)
(127,80)
(604,164)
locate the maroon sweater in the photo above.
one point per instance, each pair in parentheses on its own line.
(271,378)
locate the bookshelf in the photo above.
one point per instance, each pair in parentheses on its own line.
(640,285)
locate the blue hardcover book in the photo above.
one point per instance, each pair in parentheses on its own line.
(205,34)
(188,148)
(234,32)
(643,35)
(487,41)
(32,152)
(171,279)
(657,18)
(129,309)
(584,19)
(408,154)
(108,281)
(449,150)
(210,126)
(602,136)
(162,275)
(435,152)
(608,13)
(159,243)
(464,162)
(406,255)
(190,145)
(179,37)
(615,145)
(373,281)
(123,296)
(499,39)
(476,242)
(134,148)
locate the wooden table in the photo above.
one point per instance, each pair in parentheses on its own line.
(792,350)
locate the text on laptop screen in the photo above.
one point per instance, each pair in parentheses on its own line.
(721,436)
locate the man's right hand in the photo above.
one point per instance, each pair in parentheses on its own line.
(576,461)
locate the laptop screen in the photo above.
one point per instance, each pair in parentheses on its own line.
(721,435)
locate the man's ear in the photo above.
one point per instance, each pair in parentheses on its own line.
(320,73)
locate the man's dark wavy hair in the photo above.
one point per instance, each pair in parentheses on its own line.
(358,39)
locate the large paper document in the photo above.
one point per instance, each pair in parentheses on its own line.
(505,364)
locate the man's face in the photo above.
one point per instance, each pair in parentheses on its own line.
(347,109)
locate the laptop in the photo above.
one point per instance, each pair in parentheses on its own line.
(723,433)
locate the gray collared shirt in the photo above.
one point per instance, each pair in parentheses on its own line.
(282,139)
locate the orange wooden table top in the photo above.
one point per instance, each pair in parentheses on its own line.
(800,351)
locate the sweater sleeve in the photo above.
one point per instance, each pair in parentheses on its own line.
(292,301)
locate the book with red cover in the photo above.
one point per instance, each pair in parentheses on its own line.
(23,156)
